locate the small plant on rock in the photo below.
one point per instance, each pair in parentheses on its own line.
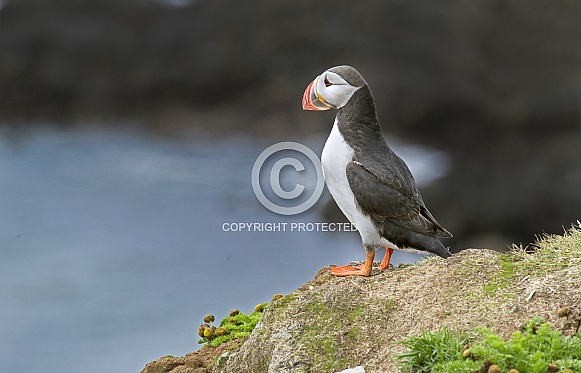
(236,325)
(534,349)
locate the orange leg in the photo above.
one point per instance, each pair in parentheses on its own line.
(360,270)
(385,262)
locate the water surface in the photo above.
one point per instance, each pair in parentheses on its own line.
(113,249)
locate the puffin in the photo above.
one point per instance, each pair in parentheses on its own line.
(372,186)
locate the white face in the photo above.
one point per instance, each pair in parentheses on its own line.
(333,90)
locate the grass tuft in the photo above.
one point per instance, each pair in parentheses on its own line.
(432,349)
(550,253)
(530,350)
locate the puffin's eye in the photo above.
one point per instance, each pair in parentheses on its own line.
(327,82)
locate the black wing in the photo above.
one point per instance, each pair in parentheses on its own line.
(392,199)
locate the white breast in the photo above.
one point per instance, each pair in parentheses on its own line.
(336,155)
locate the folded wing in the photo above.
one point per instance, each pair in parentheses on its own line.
(388,199)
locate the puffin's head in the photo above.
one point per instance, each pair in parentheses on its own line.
(332,89)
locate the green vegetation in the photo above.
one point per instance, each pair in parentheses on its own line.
(236,325)
(501,280)
(318,337)
(535,349)
(432,349)
(551,253)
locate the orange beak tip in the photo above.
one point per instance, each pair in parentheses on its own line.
(307,104)
(310,100)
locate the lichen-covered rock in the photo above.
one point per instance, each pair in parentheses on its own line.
(331,324)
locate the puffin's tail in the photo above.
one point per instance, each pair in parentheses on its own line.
(440,249)
(434,246)
(405,238)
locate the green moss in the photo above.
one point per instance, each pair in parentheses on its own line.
(389,305)
(322,348)
(424,260)
(502,279)
(282,303)
(354,333)
(319,336)
(354,314)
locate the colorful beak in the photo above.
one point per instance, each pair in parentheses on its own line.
(311,101)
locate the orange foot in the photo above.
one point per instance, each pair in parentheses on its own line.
(385,262)
(360,270)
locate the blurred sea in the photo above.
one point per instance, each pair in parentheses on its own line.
(113,249)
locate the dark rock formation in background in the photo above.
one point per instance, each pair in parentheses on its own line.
(495,83)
